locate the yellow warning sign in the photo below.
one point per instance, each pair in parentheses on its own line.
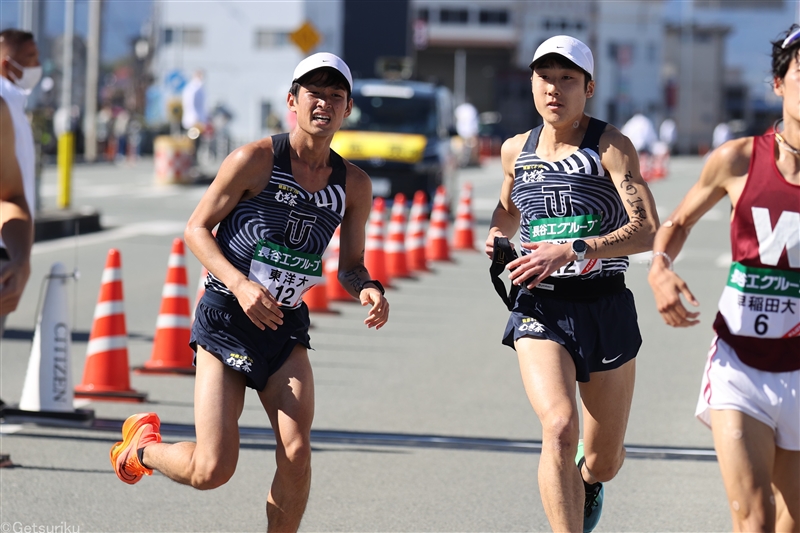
(306,37)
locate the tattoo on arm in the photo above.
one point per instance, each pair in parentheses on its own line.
(627,184)
(356,277)
(639,215)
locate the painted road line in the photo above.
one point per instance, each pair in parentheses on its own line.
(154,227)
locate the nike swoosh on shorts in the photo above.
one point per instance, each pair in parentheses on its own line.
(606,361)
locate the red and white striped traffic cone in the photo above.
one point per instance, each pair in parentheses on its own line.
(106,375)
(396,264)
(464,230)
(374,254)
(415,235)
(437,248)
(171,352)
(336,293)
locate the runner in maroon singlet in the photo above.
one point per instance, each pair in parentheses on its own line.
(750,395)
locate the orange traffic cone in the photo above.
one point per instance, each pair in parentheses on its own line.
(201,290)
(659,168)
(374,254)
(316,298)
(437,248)
(171,352)
(464,230)
(396,264)
(415,236)
(336,293)
(106,374)
(645,167)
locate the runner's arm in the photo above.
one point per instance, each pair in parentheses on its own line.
(16,224)
(505,218)
(241,176)
(353,275)
(725,165)
(620,159)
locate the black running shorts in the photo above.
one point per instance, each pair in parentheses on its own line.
(600,334)
(222,328)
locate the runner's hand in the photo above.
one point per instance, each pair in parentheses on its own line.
(379,312)
(667,288)
(259,305)
(544,259)
(13,277)
(489,246)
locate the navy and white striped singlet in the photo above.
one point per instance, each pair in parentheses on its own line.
(568,199)
(283,213)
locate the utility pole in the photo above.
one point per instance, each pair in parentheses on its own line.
(92,77)
(63,124)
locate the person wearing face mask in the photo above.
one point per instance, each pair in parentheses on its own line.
(20,71)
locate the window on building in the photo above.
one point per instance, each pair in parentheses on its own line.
(193,36)
(454,16)
(493,16)
(271,39)
(183,36)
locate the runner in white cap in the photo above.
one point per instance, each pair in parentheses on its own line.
(750,392)
(278,202)
(573,189)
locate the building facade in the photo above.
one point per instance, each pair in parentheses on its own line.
(245,52)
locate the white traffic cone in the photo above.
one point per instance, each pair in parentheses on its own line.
(47,390)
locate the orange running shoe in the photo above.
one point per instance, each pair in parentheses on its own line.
(137,432)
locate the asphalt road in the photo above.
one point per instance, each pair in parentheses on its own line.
(422,426)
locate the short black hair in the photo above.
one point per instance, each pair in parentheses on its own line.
(322,77)
(557,60)
(781,57)
(11,39)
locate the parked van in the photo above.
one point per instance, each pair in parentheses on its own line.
(399,132)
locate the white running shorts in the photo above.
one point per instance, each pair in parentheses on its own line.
(770,397)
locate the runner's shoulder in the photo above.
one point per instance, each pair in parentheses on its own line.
(732,159)
(251,164)
(512,147)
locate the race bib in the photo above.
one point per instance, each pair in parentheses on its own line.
(761,302)
(287,274)
(567,229)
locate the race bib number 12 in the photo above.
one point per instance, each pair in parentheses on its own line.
(567,229)
(287,274)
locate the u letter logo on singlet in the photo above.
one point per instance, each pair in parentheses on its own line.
(298,228)
(772,241)
(557,200)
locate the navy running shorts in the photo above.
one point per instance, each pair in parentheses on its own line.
(222,328)
(600,334)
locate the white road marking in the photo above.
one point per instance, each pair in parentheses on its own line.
(155,227)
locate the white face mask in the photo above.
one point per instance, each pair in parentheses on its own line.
(30,76)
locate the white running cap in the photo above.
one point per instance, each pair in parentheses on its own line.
(568,47)
(323,60)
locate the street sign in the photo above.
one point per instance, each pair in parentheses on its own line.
(306,37)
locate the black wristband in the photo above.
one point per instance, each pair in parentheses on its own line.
(377,284)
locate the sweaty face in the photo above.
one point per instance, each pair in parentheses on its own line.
(321,109)
(559,93)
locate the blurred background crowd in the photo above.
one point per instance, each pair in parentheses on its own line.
(680,75)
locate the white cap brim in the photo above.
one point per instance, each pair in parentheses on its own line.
(323,60)
(570,48)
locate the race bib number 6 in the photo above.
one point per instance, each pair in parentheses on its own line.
(567,229)
(761,302)
(287,274)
